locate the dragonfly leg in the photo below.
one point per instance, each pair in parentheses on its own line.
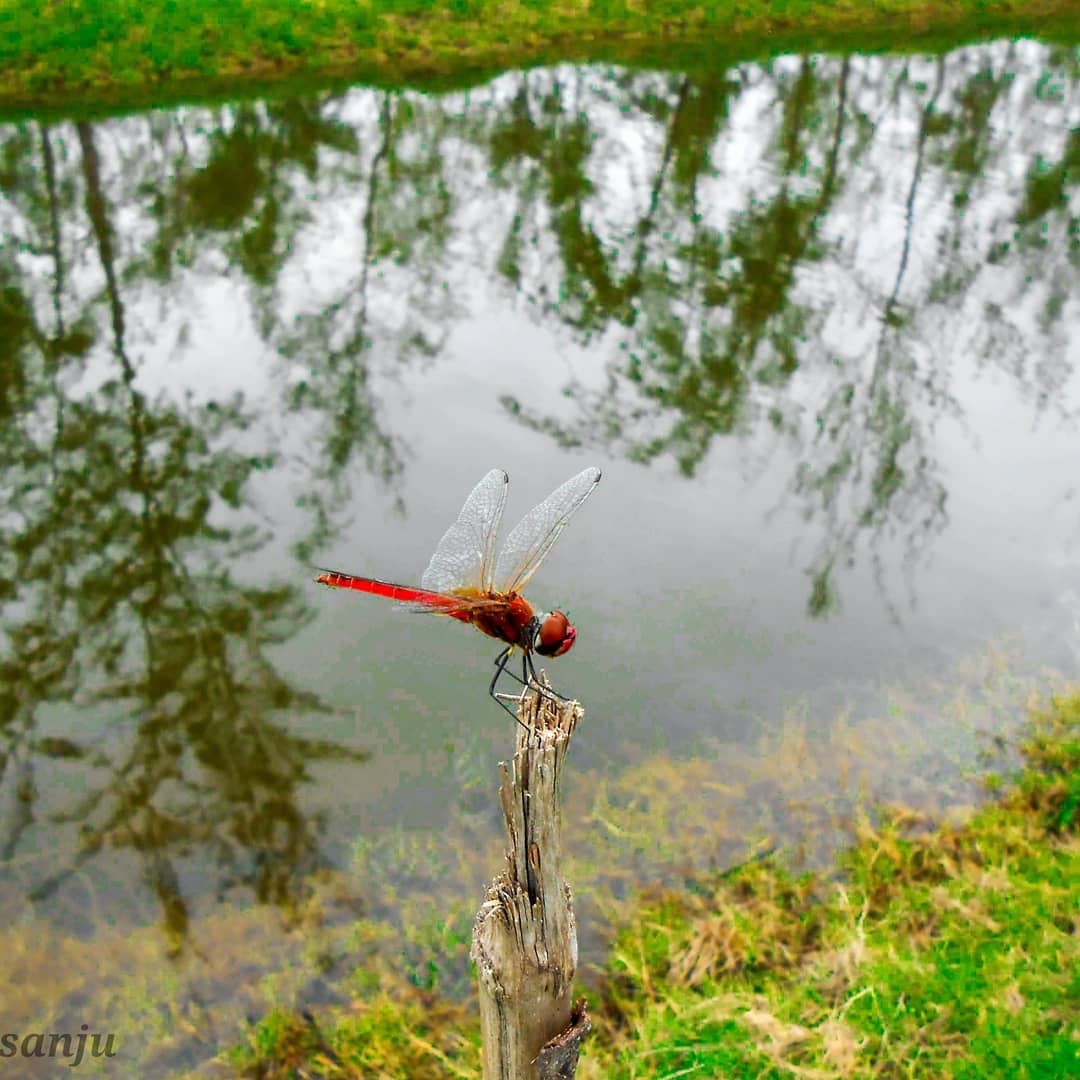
(500,662)
(500,669)
(528,678)
(528,670)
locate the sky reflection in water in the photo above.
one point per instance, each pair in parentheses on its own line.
(815,319)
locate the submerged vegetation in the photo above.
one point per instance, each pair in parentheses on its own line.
(930,951)
(67,56)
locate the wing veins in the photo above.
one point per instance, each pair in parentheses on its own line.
(464,558)
(533,537)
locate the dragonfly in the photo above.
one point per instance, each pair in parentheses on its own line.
(465,580)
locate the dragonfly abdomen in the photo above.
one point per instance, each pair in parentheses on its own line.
(403,593)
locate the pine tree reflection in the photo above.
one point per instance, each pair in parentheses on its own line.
(123,528)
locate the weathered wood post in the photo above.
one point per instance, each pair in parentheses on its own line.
(525,940)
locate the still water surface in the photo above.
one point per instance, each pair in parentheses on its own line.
(816,319)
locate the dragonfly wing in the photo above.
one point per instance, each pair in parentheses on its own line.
(465,557)
(527,546)
(455,605)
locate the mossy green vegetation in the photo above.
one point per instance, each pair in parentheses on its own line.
(947,950)
(81,55)
(936,952)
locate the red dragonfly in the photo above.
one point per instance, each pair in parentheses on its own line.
(466,581)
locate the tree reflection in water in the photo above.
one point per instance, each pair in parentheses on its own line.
(802,247)
(758,309)
(123,534)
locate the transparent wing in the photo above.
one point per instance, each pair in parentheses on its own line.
(453,604)
(465,557)
(527,546)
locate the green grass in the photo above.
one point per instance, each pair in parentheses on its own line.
(947,951)
(77,55)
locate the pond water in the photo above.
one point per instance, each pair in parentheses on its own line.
(817,320)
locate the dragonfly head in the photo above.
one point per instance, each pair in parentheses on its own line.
(555,635)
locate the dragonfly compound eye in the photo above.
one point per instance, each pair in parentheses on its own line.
(556,635)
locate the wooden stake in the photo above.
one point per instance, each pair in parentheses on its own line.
(525,940)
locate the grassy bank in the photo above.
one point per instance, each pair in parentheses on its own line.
(61,56)
(947,951)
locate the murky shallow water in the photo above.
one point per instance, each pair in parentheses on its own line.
(816,320)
